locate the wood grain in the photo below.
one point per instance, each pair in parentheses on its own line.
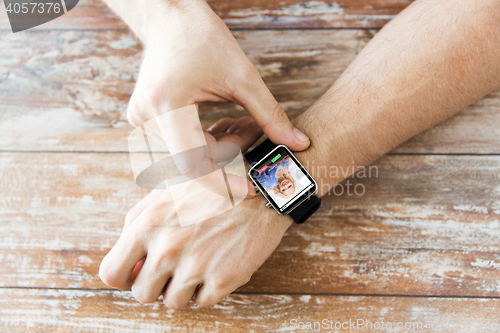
(308,14)
(426,225)
(68,90)
(262,14)
(114,311)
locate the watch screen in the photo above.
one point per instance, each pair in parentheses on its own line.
(282,179)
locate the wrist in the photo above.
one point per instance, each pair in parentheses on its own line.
(332,154)
(167,17)
(352,141)
(268,215)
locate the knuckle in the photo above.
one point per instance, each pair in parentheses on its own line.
(193,269)
(209,297)
(133,119)
(168,94)
(152,219)
(172,302)
(145,102)
(222,282)
(128,218)
(104,275)
(155,96)
(205,301)
(152,215)
(279,114)
(135,240)
(141,296)
(109,278)
(165,262)
(134,115)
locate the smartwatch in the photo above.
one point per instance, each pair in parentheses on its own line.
(283,181)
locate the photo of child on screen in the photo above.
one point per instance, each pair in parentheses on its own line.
(277,178)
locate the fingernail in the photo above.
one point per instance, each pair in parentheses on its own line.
(251,191)
(299,135)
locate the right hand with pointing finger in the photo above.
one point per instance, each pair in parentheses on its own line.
(190,57)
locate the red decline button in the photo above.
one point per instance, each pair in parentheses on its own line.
(263,168)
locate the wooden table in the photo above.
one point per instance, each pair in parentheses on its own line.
(420,246)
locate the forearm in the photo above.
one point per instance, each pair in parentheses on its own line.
(146,17)
(428,63)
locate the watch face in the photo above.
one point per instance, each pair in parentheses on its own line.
(282,180)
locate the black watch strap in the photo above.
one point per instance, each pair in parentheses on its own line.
(302,212)
(305,209)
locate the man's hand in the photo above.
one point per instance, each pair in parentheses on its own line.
(156,256)
(220,254)
(191,56)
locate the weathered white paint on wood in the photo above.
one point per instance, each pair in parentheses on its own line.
(68,90)
(260,14)
(420,228)
(49,310)
(427,225)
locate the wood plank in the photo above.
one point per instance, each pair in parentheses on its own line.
(265,14)
(262,14)
(77,85)
(22,310)
(427,225)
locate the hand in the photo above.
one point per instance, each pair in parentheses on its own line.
(191,56)
(198,154)
(155,256)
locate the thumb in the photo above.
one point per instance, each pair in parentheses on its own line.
(258,101)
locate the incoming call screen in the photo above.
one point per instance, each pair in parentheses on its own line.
(282,179)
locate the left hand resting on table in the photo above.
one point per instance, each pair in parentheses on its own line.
(156,256)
